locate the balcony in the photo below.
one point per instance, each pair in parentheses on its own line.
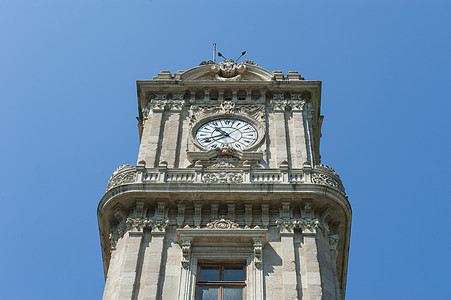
(318,175)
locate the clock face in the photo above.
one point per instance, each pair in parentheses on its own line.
(237,133)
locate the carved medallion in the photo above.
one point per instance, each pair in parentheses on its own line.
(222,224)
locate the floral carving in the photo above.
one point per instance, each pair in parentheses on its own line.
(222,177)
(222,224)
(323,179)
(123,175)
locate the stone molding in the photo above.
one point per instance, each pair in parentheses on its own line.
(222,229)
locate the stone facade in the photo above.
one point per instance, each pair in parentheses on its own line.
(272,206)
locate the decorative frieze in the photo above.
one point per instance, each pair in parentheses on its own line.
(222,177)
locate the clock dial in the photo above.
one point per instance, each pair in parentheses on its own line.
(237,133)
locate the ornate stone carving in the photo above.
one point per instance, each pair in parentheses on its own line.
(286,225)
(222,224)
(248,215)
(208,62)
(265,215)
(160,103)
(228,70)
(222,177)
(113,237)
(228,107)
(197,214)
(221,165)
(297,103)
(327,169)
(256,112)
(180,215)
(258,253)
(145,112)
(123,175)
(308,226)
(323,179)
(333,242)
(137,224)
(186,251)
(278,102)
(249,62)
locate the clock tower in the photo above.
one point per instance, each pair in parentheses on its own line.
(228,199)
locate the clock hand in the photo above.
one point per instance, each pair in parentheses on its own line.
(221,131)
(211,137)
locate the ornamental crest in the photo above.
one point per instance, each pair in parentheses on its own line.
(228,70)
(222,224)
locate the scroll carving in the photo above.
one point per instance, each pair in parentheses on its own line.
(123,175)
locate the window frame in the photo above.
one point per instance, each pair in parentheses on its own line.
(221,283)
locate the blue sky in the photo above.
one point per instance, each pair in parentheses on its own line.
(68,74)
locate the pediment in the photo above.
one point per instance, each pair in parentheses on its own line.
(228,70)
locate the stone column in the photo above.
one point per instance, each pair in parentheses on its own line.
(333,242)
(170,145)
(289,264)
(286,226)
(309,263)
(297,133)
(149,150)
(277,131)
(124,261)
(150,278)
(308,129)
